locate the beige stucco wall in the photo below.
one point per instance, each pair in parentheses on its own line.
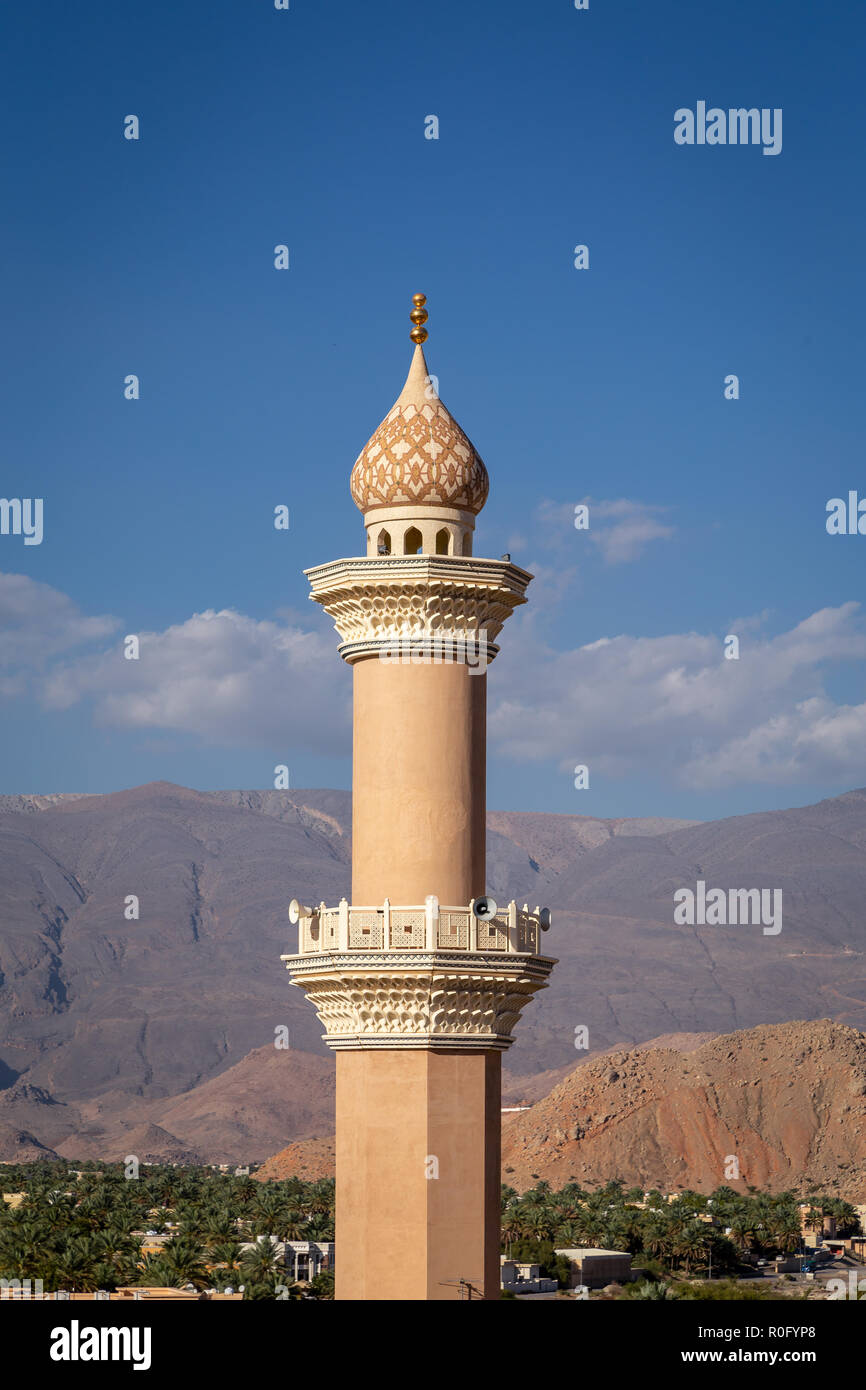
(418,796)
(401,1234)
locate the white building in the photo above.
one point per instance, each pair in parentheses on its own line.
(307,1258)
(518,1278)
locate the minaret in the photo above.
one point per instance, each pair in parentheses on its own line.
(420,980)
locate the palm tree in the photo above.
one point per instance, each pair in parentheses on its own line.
(219,1226)
(846,1215)
(181,1262)
(76,1267)
(537,1196)
(226,1255)
(569,1235)
(786,1231)
(320,1227)
(322,1286)
(268,1205)
(655,1235)
(742,1231)
(292,1225)
(510,1229)
(568,1209)
(539,1224)
(24,1242)
(260,1262)
(647,1290)
(321,1198)
(691,1243)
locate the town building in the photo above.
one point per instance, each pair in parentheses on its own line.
(305,1259)
(593,1268)
(522,1278)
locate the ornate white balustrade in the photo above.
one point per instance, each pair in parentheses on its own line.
(420,927)
(422,976)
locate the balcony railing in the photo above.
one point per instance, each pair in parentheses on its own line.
(420,927)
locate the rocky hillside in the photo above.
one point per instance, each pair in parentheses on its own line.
(787,1101)
(310,1159)
(18,1146)
(241,1115)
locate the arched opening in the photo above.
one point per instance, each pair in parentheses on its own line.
(467,543)
(442,539)
(383,544)
(412,541)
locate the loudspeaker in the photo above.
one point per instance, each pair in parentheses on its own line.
(484,909)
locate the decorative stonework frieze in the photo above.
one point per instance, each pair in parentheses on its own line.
(400,1000)
(378,602)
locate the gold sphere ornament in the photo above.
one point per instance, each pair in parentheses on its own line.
(419,317)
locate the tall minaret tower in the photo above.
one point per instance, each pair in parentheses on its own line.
(420,980)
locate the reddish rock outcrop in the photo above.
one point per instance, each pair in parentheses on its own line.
(787,1101)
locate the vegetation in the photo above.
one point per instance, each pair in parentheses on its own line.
(692,1234)
(93,1228)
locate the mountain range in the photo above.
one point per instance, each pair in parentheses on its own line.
(162,1025)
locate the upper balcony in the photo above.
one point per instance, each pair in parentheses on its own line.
(420,927)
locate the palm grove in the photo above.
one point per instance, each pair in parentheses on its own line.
(84,1230)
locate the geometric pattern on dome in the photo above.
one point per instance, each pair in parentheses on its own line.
(419,454)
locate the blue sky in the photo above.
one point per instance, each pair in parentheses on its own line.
(259,387)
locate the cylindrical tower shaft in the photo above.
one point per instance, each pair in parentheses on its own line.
(418,782)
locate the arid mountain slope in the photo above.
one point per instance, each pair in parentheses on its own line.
(239,1116)
(309,1159)
(786,1101)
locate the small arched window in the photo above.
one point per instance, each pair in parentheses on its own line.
(412,541)
(442,539)
(383,544)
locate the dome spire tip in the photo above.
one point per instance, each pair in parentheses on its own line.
(419,318)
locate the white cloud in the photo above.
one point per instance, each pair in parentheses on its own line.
(38,624)
(669,707)
(221,675)
(672,707)
(621,529)
(631,526)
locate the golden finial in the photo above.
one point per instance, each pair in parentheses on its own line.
(419,318)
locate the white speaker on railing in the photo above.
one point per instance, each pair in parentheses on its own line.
(484,909)
(297,911)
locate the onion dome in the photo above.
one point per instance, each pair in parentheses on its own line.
(419,455)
